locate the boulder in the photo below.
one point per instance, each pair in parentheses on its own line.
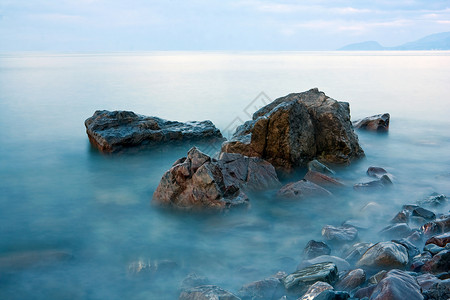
(401,217)
(383,182)
(419,261)
(207,292)
(112,131)
(354,253)
(302,189)
(339,234)
(315,289)
(270,289)
(396,231)
(314,249)
(376,172)
(351,280)
(378,123)
(376,278)
(384,255)
(439,290)
(426,281)
(397,285)
(332,295)
(440,240)
(297,128)
(424,213)
(301,279)
(439,263)
(341,264)
(197,181)
(322,179)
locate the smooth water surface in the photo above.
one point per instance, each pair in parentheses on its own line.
(73,220)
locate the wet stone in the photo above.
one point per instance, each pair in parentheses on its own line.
(341,264)
(396,231)
(434,200)
(332,295)
(376,172)
(315,289)
(194,280)
(354,253)
(410,247)
(302,189)
(439,290)
(322,180)
(439,263)
(300,279)
(381,183)
(397,285)
(314,249)
(351,280)
(317,166)
(385,255)
(339,234)
(207,292)
(270,289)
(424,213)
(401,217)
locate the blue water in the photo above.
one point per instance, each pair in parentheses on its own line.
(59,194)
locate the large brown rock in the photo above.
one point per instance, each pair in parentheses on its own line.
(297,128)
(197,181)
(374,123)
(397,285)
(112,131)
(385,255)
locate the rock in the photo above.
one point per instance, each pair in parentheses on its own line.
(397,285)
(439,263)
(193,280)
(381,183)
(314,249)
(332,295)
(199,182)
(441,225)
(322,179)
(351,280)
(112,131)
(354,253)
(426,281)
(410,247)
(439,290)
(157,267)
(339,234)
(385,255)
(297,128)
(317,166)
(419,261)
(401,217)
(376,172)
(341,264)
(375,279)
(301,279)
(440,240)
(416,238)
(433,200)
(302,189)
(378,123)
(424,213)
(269,288)
(396,231)
(207,292)
(315,289)
(433,249)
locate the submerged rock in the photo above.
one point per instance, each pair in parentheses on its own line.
(381,183)
(199,182)
(315,289)
(374,123)
(376,172)
(112,131)
(322,179)
(433,200)
(297,128)
(317,166)
(397,285)
(314,249)
(302,189)
(426,281)
(207,292)
(376,278)
(301,279)
(268,289)
(396,231)
(385,255)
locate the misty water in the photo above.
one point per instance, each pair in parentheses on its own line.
(73,220)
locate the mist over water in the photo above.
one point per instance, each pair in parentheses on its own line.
(72,220)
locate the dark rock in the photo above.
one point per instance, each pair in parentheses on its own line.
(433,200)
(315,289)
(317,166)
(302,189)
(439,290)
(314,249)
(364,293)
(375,279)
(340,263)
(416,238)
(194,280)
(440,240)
(374,123)
(410,207)
(443,276)
(269,289)
(339,234)
(401,217)
(354,253)
(301,279)
(376,172)
(433,249)
(322,179)
(111,131)
(207,292)
(410,247)
(396,231)
(351,280)
(385,255)
(419,261)
(397,285)
(199,182)
(442,225)
(332,295)
(381,183)
(424,213)
(439,263)
(426,281)
(297,128)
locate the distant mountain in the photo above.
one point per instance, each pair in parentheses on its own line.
(437,41)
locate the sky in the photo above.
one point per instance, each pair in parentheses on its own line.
(139,25)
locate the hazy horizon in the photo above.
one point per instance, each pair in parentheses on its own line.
(243,25)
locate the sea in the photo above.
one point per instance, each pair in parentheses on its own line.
(79,224)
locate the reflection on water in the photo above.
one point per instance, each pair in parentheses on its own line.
(59,198)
